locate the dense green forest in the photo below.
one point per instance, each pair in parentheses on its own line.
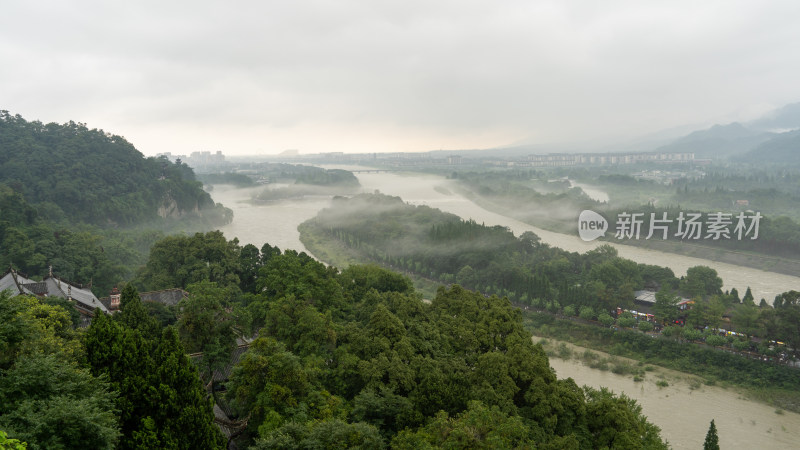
(88,203)
(351,358)
(441,246)
(69,173)
(77,252)
(122,383)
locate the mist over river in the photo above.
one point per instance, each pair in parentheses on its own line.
(277,222)
(683,414)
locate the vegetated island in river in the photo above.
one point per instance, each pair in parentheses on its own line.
(299,181)
(436,247)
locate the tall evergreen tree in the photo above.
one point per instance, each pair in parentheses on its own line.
(748,297)
(133,314)
(184,416)
(123,356)
(712,440)
(161,401)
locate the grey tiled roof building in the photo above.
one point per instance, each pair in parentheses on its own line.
(51,286)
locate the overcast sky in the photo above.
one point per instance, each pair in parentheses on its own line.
(249,77)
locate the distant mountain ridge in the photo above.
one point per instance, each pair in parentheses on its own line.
(772,138)
(719,141)
(784,148)
(70,173)
(781,119)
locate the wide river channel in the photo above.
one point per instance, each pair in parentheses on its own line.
(682,413)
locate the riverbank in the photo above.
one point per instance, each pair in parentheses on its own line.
(760,261)
(681,405)
(772,384)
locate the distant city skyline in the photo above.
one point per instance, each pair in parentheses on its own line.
(361,77)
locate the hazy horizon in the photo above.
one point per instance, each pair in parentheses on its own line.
(258,78)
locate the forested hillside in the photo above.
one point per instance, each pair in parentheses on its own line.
(342,359)
(71,173)
(88,204)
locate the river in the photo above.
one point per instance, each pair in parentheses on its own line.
(439,193)
(682,413)
(274,223)
(277,222)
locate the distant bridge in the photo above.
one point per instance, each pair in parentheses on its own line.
(374,170)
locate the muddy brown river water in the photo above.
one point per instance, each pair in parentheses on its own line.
(684,410)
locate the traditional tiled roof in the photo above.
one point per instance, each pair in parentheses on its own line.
(645,296)
(39,288)
(106,301)
(169,297)
(51,287)
(60,288)
(9,283)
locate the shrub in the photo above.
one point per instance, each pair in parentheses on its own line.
(740,345)
(646,326)
(690,334)
(606,319)
(626,320)
(671,331)
(715,341)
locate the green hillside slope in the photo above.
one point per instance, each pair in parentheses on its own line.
(69,172)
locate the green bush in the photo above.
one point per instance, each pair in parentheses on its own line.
(740,345)
(671,331)
(690,334)
(626,320)
(645,326)
(715,341)
(606,319)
